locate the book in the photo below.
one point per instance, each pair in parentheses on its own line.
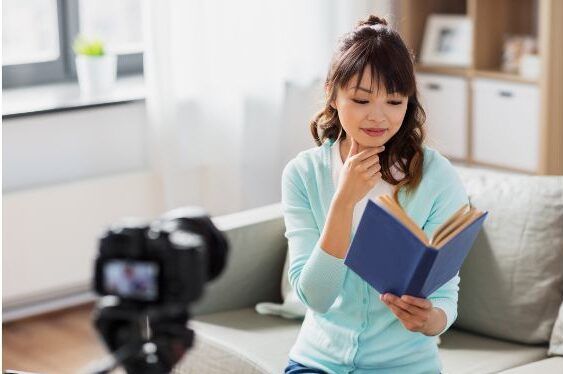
(391,253)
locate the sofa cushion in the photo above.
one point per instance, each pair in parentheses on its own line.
(243,341)
(553,365)
(291,307)
(257,249)
(464,352)
(206,356)
(512,280)
(239,341)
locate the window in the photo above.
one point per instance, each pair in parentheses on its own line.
(31,32)
(37,37)
(116,22)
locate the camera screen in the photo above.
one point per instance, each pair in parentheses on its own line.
(131,279)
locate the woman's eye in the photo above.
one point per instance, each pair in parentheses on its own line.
(395,102)
(360,101)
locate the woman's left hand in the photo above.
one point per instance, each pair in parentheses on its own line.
(415,313)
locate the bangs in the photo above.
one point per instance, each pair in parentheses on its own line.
(388,65)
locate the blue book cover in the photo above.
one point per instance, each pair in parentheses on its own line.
(392,259)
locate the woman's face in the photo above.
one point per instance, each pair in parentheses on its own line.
(360,110)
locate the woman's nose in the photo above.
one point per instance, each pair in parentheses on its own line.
(375,114)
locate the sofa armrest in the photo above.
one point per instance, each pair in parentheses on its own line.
(253,272)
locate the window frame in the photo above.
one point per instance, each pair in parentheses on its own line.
(64,68)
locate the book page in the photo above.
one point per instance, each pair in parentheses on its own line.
(450,224)
(398,212)
(462,218)
(472,216)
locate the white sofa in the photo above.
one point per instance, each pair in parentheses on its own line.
(231,337)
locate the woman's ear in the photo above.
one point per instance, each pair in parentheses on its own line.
(327,92)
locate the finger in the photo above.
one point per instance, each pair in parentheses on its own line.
(370,152)
(420,302)
(353,147)
(402,314)
(412,309)
(405,317)
(409,322)
(371,163)
(371,173)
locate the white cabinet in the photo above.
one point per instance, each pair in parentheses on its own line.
(444,99)
(506,124)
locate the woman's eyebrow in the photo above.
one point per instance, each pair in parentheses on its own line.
(369,91)
(361,88)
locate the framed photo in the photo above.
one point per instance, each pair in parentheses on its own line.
(447,41)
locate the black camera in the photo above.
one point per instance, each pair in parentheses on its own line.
(147,275)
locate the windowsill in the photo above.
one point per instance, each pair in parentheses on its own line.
(58,97)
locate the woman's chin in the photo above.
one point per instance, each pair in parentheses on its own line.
(371,142)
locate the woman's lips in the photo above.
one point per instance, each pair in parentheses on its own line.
(374,132)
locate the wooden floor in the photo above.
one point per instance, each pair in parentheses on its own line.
(61,342)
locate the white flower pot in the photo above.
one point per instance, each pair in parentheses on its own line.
(96,74)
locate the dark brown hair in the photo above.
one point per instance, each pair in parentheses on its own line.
(375,45)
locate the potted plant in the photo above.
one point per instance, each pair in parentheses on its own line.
(95,68)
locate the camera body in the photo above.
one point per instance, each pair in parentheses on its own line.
(149,268)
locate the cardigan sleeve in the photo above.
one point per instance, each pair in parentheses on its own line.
(315,275)
(450,198)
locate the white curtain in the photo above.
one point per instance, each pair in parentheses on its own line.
(231,86)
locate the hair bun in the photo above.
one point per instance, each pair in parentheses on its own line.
(372,21)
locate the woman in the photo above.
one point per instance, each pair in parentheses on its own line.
(370,142)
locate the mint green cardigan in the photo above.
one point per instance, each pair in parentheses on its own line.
(346,327)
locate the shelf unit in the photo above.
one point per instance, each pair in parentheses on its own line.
(492,19)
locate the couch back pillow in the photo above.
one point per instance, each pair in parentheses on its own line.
(512,280)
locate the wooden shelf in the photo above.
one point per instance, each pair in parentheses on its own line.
(417,11)
(495,74)
(472,73)
(446,70)
(493,21)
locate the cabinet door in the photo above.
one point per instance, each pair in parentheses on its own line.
(444,99)
(506,124)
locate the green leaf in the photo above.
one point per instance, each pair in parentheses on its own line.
(88,47)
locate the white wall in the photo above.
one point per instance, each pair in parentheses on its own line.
(50,234)
(57,147)
(66,176)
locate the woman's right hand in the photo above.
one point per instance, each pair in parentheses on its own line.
(360,173)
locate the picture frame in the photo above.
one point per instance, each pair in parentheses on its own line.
(447,41)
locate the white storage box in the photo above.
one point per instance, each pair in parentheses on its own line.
(506,124)
(444,99)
